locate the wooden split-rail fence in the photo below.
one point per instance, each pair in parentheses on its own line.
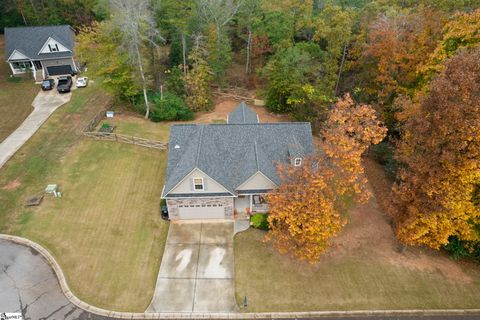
(89,132)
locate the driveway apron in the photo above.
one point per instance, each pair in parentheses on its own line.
(196,274)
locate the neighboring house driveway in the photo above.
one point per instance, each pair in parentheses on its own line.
(28,285)
(196,274)
(44,104)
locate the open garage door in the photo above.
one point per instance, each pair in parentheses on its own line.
(59,70)
(192,212)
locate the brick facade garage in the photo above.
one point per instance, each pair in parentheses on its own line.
(226,203)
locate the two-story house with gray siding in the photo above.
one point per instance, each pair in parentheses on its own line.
(214,170)
(44,51)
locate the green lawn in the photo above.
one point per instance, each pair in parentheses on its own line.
(137,126)
(105,231)
(16,96)
(355,281)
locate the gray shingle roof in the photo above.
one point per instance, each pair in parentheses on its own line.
(30,40)
(242,114)
(232,153)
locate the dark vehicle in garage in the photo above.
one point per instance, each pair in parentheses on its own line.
(64,84)
(48,84)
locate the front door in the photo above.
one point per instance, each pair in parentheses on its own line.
(38,65)
(242,204)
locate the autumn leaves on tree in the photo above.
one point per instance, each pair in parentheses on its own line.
(435,198)
(306,209)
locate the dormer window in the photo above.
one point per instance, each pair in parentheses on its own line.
(53,47)
(198,184)
(298,162)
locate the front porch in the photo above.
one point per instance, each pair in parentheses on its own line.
(246,204)
(34,67)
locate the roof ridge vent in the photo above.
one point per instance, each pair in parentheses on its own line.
(199,148)
(256,154)
(243,112)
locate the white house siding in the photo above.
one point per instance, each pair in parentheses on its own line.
(186,185)
(175,205)
(54,44)
(257,182)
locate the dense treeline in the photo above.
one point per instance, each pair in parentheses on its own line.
(14,13)
(406,58)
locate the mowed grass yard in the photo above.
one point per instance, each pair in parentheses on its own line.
(364,268)
(106,231)
(16,96)
(131,124)
(353,282)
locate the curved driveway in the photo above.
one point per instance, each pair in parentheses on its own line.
(44,104)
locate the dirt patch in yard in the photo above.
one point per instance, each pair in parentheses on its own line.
(370,229)
(12,185)
(223,106)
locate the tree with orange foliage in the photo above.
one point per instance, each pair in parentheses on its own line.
(395,44)
(398,44)
(305,211)
(462,31)
(440,150)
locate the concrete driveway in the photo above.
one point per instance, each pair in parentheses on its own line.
(44,104)
(196,274)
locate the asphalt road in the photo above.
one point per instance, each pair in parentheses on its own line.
(28,285)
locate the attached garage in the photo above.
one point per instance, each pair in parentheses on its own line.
(189,212)
(59,70)
(207,208)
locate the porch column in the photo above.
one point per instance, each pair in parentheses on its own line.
(11,67)
(74,65)
(34,71)
(250,197)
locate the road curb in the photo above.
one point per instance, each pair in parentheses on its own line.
(190,315)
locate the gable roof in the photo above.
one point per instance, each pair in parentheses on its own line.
(30,40)
(242,114)
(232,153)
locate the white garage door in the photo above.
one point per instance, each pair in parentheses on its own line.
(201,212)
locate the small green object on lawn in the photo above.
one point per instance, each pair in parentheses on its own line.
(106,127)
(51,189)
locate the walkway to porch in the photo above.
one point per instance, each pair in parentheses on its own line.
(242,216)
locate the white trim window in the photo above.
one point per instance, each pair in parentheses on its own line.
(298,162)
(21,66)
(198,184)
